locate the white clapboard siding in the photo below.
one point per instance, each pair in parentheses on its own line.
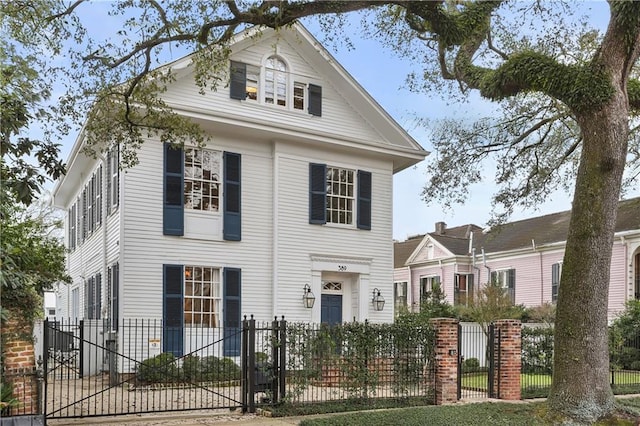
(298,240)
(339,118)
(145,249)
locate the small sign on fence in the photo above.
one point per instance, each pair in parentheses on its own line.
(154,347)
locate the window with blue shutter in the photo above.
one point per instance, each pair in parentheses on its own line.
(364,200)
(173,211)
(172,310)
(315,100)
(317,193)
(237,85)
(232,311)
(232,220)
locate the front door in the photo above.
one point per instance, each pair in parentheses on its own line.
(331,309)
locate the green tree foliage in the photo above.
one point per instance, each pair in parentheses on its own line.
(435,305)
(568,94)
(28,39)
(32,256)
(492,303)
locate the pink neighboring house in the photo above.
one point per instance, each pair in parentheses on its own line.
(524,256)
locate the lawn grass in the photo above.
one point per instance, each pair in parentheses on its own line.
(459,415)
(527,381)
(488,413)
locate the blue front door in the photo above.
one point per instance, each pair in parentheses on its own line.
(331,309)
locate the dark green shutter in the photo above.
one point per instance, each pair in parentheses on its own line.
(173,214)
(364,200)
(238,84)
(232,228)
(115,291)
(173,310)
(98,297)
(317,193)
(315,100)
(231,311)
(108,176)
(511,283)
(555,281)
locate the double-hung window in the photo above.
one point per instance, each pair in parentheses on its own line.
(340,196)
(463,289)
(113,179)
(203,182)
(275,82)
(202,179)
(506,278)
(93,297)
(427,286)
(400,295)
(202,297)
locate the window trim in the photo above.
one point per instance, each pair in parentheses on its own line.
(510,282)
(433,279)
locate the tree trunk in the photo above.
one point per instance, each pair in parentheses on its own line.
(581,381)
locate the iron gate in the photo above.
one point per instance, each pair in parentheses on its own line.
(478,361)
(92,370)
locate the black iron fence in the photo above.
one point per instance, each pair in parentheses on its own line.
(92,370)
(478,362)
(358,361)
(537,362)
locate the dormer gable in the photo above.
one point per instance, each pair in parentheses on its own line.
(428,249)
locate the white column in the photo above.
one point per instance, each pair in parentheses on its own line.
(364,301)
(316,288)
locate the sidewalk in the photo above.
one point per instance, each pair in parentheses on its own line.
(186,419)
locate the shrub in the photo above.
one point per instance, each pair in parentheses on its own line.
(537,350)
(470,365)
(7,399)
(210,369)
(159,369)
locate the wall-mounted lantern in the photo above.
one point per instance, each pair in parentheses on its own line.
(378,300)
(308,299)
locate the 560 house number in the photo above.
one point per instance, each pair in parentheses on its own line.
(342,267)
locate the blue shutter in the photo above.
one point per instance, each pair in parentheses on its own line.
(232,220)
(511,283)
(115,290)
(108,177)
(238,84)
(315,100)
(172,310)
(98,297)
(173,212)
(231,311)
(364,200)
(88,298)
(317,193)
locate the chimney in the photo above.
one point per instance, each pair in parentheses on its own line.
(440,227)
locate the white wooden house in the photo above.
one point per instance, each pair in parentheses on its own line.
(295,190)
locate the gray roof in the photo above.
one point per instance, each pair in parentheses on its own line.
(551,228)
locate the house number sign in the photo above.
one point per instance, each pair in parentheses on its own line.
(342,267)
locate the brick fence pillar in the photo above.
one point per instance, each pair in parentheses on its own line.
(20,365)
(446,368)
(508,358)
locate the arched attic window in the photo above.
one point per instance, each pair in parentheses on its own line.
(275,81)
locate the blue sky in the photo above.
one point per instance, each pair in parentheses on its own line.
(383,75)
